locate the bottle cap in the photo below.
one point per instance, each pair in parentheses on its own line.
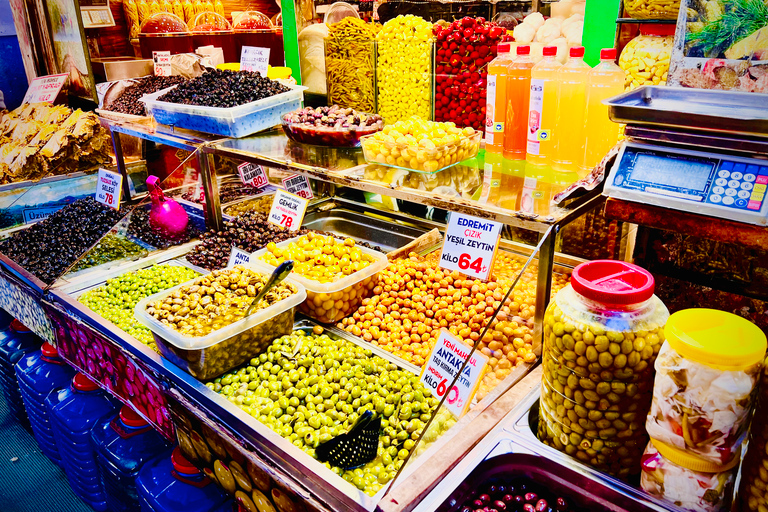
(49,351)
(549,51)
(576,51)
(82,382)
(608,54)
(715,338)
(181,464)
(692,462)
(131,417)
(502,48)
(524,50)
(17,326)
(612,282)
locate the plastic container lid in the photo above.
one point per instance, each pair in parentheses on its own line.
(252,20)
(608,54)
(576,51)
(49,351)
(338,11)
(209,22)
(715,338)
(181,464)
(164,23)
(503,48)
(17,326)
(549,51)
(657,29)
(524,49)
(131,417)
(692,462)
(278,72)
(612,282)
(82,382)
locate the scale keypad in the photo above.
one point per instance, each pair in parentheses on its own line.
(740,186)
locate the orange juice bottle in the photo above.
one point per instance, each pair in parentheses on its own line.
(496,106)
(604,81)
(572,101)
(518,97)
(542,109)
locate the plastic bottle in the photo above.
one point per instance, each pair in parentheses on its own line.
(39,374)
(74,411)
(518,98)
(606,80)
(496,102)
(123,444)
(542,109)
(17,342)
(572,101)
(171,483)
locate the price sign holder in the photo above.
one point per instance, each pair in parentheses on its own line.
(287,210)
(44,89)
(162,62)
(470,245)
(238,257)
(254,58)
(109,188)
(299,185)
(253,175)
(445,360)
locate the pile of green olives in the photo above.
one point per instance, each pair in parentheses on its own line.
(110,248)
(310,387)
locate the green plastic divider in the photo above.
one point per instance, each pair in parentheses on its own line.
(599,28)
(291,38)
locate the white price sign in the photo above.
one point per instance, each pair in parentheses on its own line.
(252,174)
(44,89)
(287,210)
(299,185)
(444,363)
(162,63)
(470,245)
(109,188)
(238,257)
(254,58)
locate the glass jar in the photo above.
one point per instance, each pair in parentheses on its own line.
(652,9)
(645,59)
(753,489)
(706,374)
(601,336)
(211,29)
(164,32)
(687,481)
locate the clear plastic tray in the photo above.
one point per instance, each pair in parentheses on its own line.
(350,290)
(415,158)
(206,357)
(237,121)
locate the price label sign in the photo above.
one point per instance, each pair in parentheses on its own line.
(252,174)
(444,363)
(238,257)
(44,89)
(108,188)
(298,185)
(470,245)
(287,210)
(254,58)
(162,61)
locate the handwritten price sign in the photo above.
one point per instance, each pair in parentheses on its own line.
(252,174)
(108,188)
(44,89)
(299,185)
(254,58)
(162,61)
(441,368)
(470,245)
(238,257)
(287,210)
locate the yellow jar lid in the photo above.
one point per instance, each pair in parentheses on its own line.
(278,72)
(716,338)
(230,66)
(692,462)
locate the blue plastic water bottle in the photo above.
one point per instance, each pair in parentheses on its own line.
(172,483)
(123,444)
(17,342)
(39,374)
(74,412)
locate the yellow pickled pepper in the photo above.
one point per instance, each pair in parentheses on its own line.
(143,8)
(189,11)
(199,7)
(219,7)
(131,17)
(178,9)
(208,6)
(154,7)
(165,6)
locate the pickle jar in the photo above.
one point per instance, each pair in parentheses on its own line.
(706,374)
(645,59)
(687,481)
(652,9)
(753,489)
(602,333)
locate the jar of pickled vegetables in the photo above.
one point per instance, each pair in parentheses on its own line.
(645,59)
(601,337)
(687,481)
(706,373)
(652,9)
(753,489)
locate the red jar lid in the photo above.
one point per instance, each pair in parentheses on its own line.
(548,51)
(82,382)
(657,29)
(612,282)
(608,54)
(181,464)
(131,417)
(49,351)
(576,51)
(18,326)
(524,50)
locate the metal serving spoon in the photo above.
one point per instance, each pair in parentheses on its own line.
(280,273)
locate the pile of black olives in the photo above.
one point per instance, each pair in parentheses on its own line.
(517,497)
(224,88)
(128,102)
(139,228)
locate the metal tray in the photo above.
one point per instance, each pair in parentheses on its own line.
(694,109)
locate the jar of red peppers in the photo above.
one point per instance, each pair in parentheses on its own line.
(463,50)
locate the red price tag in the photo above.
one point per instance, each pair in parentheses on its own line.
(252,174)
(287,210)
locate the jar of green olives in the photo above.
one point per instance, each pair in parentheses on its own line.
(601,337)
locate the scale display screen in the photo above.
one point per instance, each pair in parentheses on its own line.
(672,172)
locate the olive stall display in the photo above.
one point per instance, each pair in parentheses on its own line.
(602,334)
(128,101)
(223,89)
(110,248)
(49,247)
(261,204)
(310,387)
(330,126)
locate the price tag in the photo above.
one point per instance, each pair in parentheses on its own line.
(443,364)
(254,58)
(109,188)
(162,63)
(44,89)
(470,245)
(252,174)
(238,257)
(287,210)
(298,185)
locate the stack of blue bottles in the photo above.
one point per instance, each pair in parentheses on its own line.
(39,374)
(74,412)
(123,444)
(171,484)
(15,343)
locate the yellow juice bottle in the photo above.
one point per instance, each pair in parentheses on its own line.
(605,81)
(496,100)
(542,109)
(568,134)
